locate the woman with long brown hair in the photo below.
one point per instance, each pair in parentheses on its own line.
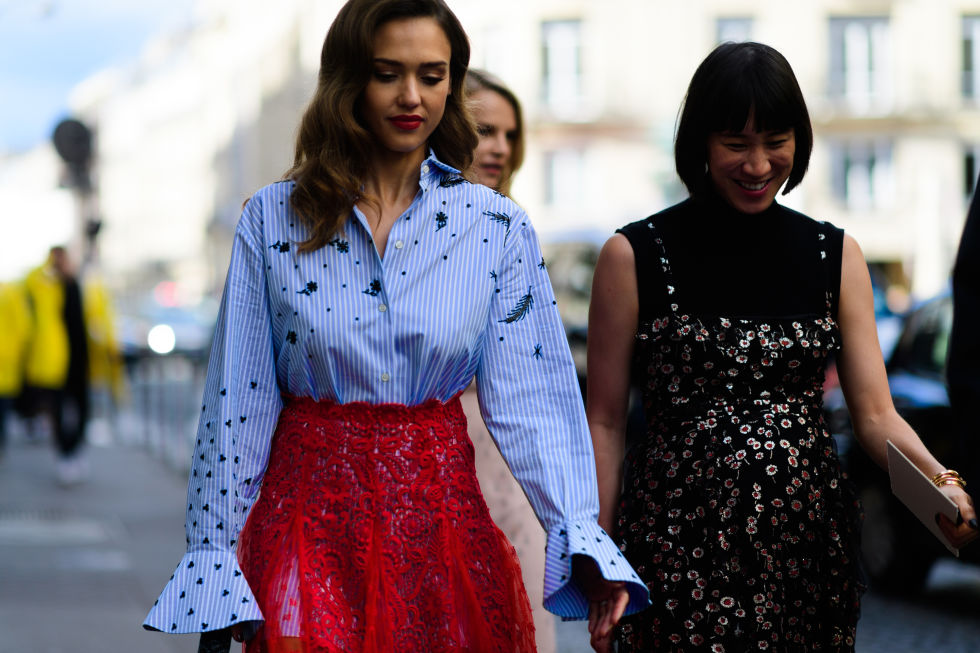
(365,290)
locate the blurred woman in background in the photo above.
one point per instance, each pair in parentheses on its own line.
(496,159)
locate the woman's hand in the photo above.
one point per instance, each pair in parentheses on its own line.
(964,531)
(607,601)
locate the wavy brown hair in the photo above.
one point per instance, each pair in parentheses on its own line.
(333,147)
(481,80)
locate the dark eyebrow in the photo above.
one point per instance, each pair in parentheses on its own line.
(399,64)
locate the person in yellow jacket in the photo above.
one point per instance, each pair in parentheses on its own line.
(14,330)
(56,368)
(106,369)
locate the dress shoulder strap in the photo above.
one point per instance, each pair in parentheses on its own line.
(654,277)
(830,241)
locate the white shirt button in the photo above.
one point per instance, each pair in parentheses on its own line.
(382,308)
(425,169)
(385,377)
(399,244)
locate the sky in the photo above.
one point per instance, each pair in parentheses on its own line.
(49,46)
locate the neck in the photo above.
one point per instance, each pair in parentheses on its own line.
(393,176)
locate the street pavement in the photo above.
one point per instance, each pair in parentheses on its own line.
(81,565)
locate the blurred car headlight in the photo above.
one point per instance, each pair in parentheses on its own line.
(161,339)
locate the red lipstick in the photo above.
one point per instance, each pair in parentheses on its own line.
(406,122)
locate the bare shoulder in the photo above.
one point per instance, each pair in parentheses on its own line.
(616,252)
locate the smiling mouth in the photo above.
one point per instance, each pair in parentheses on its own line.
(755,187)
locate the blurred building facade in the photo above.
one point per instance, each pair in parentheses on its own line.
(208,114)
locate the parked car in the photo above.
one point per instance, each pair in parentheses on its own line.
(898,551)
(151,330)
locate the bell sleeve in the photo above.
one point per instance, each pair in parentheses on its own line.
(238,416)
(531,402)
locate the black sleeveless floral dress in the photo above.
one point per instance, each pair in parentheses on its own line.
(734,508)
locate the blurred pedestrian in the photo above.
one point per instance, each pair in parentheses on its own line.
(734,508)
(963,360)
(14,332)
(333,502)
(496,159)
(57,371)
(106,369)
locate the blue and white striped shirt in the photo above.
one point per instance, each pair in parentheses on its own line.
(462,290)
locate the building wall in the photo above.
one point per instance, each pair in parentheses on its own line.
(207,116)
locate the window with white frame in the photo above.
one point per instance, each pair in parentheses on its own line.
(564,177)
(860,63)
(734,29)
(562,60)
(971,57)
(862,173)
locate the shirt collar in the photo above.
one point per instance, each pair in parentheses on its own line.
(433,170)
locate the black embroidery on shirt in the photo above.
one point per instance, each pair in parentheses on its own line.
(280,247)
(441,220)
(309,290)
(340,245)
(542,264)
(453,180)
(502,218)
(493,275)
(291,337)
(537,351)
(373,289)
(521,309)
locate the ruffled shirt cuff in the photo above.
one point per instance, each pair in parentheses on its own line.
(564,597)
(207,592)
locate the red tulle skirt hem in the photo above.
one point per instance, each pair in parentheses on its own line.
(371,535)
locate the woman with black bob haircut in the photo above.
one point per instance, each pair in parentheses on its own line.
(736,80)
(333,503)
(724,309)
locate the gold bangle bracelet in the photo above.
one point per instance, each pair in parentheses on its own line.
(948,477)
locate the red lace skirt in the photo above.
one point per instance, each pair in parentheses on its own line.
(371,535)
